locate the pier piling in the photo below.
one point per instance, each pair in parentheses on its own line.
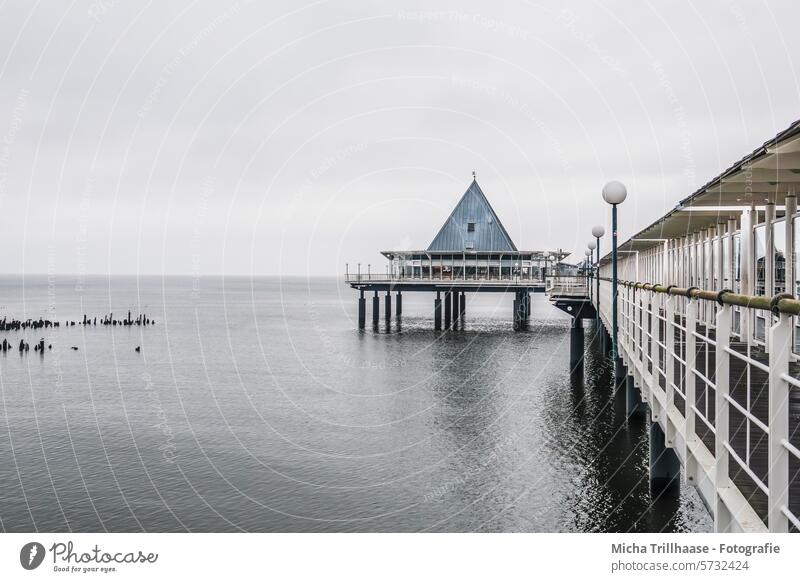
(575,344)
(362,311)
(447,309)
(634,407)
(388,309)
(437,312)
(376,306)
(665,466)
(399,305)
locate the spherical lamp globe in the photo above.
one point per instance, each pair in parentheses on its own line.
(592,245)
(598,231)
(615,192)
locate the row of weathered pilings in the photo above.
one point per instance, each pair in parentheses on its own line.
(41,323)
(12,324)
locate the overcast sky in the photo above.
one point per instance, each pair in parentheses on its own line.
(293,137)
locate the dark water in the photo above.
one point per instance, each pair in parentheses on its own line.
(255,405)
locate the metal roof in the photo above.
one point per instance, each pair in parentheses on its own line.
(486,232)
(767,174)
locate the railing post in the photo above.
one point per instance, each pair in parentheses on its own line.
(778,476)
(689,383)
(669,365)
(654,327)
(722,517)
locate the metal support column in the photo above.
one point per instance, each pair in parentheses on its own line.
(447,309)
(399,304)
(376,307)
(576,345)
(437,312)
(388,308)
(362,310)
(665,467)
(634,407)
(456,310)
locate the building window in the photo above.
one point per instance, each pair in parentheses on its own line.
(470,227)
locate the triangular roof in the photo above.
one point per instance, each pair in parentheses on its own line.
(486,234)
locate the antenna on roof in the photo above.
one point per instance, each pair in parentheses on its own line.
(473,174)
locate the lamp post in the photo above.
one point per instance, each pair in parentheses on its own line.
(591,246)
(588,253)
(614,193)
(598,232)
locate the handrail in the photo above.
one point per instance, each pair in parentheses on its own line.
(781,303)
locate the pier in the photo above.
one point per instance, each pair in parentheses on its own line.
(708,342)
(707,339)
(472,253)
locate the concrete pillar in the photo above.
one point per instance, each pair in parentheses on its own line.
(456,309)
(399,304)
(362,310)
(665,467)
(634,407)
(463,305)
(388,308)
(515,313)
(576,345)
(437,312)
(447,309)
(376,306)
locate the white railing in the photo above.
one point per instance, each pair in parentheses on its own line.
(723,403)
(568,285)
(443,278)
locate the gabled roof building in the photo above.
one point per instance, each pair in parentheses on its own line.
(472,252)
(472,244)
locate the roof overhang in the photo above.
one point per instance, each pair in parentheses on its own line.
(766,175)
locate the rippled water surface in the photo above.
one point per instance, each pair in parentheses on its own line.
(255,404)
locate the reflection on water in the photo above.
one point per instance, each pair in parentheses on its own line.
(255,405)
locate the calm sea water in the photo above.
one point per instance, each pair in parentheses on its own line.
(255,404)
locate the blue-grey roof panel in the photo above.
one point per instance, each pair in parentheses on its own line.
(485,234)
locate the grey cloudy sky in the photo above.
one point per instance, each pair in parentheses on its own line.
(292,137)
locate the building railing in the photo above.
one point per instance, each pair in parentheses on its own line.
(728,407)
(568,285)
(395,278)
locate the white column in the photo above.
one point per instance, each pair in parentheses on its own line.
(722,517)
(791,208)
(729,268)
(746,277)
(718,269)
(689,384)
(769,245)
(778,476)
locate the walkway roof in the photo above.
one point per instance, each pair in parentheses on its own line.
(767,174)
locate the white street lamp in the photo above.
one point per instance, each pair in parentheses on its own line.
(614,193)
